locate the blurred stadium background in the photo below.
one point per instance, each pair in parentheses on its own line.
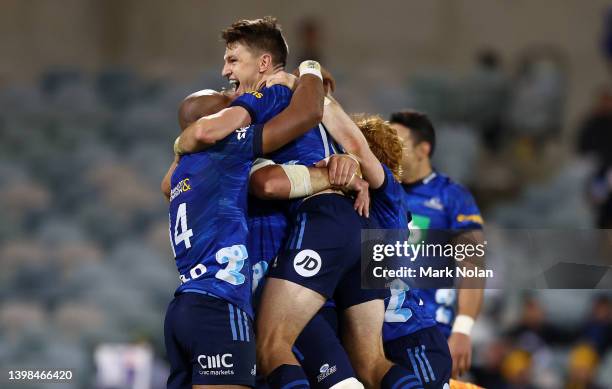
(519,91)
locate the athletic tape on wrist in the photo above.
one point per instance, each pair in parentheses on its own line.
(299,176)
(311,67)
(463,324)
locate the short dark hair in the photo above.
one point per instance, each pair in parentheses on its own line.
(260,34)
(420,126)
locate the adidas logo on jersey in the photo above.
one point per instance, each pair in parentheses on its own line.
(434,203)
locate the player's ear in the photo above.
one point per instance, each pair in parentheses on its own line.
(423,149)
(265,62)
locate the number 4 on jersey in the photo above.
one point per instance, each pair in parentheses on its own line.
(184,234)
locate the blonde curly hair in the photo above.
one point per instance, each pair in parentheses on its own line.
(383,141)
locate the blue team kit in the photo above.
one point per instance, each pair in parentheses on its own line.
(209,235)
(437,203)
(412,338)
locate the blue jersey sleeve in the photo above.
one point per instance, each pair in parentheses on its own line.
(387,203)
(464,213)
(244,144)
(264,104)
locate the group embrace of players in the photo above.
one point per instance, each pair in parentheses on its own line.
(269,191)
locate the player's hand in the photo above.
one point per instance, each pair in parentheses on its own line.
(460,346)
(282,78)
(341,169)
(361,188)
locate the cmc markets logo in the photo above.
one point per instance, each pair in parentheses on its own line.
(220,364)
(307,263)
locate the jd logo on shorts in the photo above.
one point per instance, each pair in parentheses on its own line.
(307,263)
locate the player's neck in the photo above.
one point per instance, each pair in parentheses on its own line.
(421,171)
(265,76)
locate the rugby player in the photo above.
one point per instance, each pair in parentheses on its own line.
(436,202)
(310,270)
(209,325)
(253,50)
(417,333)
(246,41)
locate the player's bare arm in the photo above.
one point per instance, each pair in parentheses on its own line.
(166,182)
(469,302)
(345,131)
(192,108)
(304,112)
(210,129)
(273,183)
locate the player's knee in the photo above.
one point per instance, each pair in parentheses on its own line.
(349,383)
(367,374)
(272,341)
(371,369)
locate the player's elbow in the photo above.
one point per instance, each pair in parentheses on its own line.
(357,147)
(264,189)
(265,185)
(315,116)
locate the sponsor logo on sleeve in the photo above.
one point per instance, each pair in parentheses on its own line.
(476,218)
(216,365)
(258,95)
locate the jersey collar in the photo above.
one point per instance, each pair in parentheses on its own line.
(423,181)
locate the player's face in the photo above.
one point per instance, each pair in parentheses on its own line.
(410,155)
(241,67)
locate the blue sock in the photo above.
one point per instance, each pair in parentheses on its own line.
(288,377)
(400,378)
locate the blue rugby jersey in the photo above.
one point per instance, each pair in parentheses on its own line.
(438,203)
(404,313)
(208,218)
(267,220)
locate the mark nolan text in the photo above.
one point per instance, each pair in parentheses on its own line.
(432,272)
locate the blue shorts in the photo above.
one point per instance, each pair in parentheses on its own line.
(323,251)
(425,353)
(209,342)
(320,352)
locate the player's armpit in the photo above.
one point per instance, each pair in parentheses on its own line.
(304,112)
(208,130)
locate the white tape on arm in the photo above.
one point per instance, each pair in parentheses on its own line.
(311,67)
(260,163)
(463,324)
(299,176)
